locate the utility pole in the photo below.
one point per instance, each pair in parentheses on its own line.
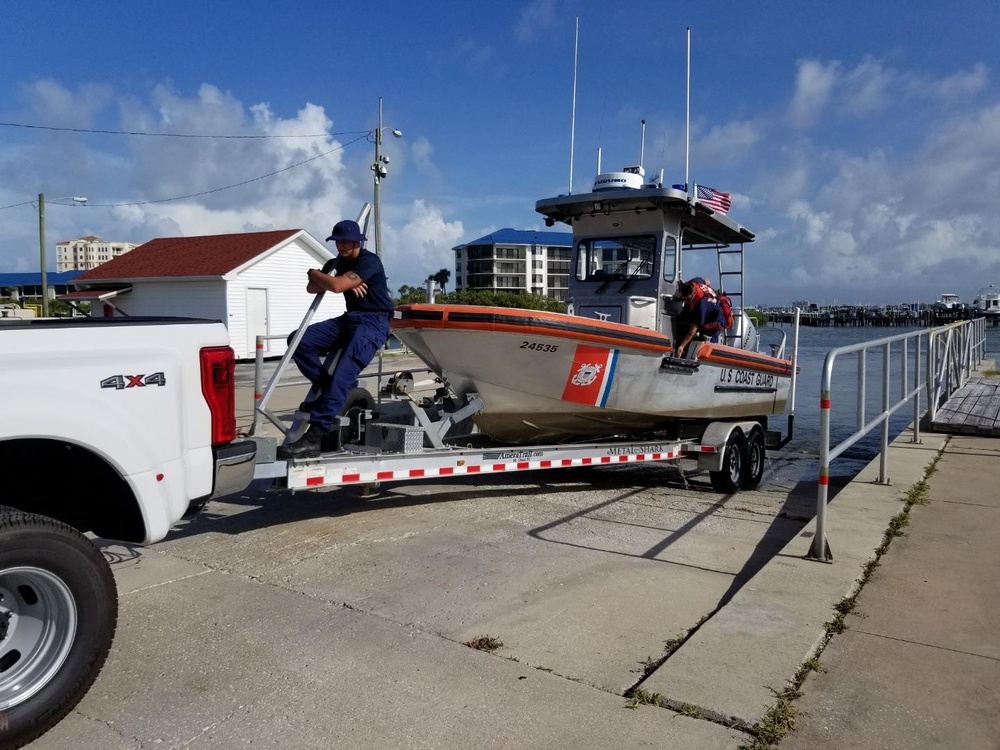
(41,254)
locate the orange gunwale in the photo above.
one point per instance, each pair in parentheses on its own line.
(563,326)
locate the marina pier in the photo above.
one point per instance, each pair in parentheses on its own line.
(874,316)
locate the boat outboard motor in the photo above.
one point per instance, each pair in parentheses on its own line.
(743,333)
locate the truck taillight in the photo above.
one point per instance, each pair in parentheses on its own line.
(218,384)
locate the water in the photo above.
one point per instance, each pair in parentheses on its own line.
(799,460)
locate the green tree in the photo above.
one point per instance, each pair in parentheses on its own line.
(409,295)
(440,278)
(521,300)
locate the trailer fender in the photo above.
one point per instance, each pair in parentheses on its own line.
(717,435)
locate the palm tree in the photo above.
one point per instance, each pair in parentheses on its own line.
(441,277)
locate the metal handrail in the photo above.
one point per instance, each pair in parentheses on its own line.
(953,352)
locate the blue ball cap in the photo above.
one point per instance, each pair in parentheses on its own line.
(346,230)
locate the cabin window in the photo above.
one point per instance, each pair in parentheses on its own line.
(617,258)
(669,258)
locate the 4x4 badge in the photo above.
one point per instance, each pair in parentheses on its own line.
(118,382)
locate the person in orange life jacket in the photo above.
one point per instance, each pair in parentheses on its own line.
(357,334)
(701,313)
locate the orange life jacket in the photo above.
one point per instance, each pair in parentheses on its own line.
(725,319)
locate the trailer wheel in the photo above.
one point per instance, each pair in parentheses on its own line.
(58,612)
(358,400)
(753,465)
(730,478)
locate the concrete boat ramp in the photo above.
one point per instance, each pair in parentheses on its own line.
(334,620)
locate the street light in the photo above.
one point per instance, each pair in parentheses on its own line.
(41,244)
(379,171)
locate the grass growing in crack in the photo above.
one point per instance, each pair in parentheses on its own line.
(843,608)
(776,723)
(899,522)
(809,665)
(649,666)
(640,697)
(780,719)
(485,643)
(675,643)
(687,709)
(919,494)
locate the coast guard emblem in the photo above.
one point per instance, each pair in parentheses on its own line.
(587,374)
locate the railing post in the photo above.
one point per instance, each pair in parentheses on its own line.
(862,389)
(883,464)
(258,383)
(820,550)
(916,397)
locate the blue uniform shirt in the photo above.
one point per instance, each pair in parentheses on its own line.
(369,267)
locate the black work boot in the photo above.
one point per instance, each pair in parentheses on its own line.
(307,446)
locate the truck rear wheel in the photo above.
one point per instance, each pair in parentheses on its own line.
(58,613)
(730,478)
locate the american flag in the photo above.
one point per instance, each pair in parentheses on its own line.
(714,199)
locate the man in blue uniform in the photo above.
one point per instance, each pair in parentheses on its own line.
(357,334)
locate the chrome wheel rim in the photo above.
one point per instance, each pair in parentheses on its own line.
(38,623)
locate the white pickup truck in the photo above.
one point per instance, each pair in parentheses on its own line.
(118,427)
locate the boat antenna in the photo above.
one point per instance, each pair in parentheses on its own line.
(687,117)
(572,127)
(598,160)
(642,143)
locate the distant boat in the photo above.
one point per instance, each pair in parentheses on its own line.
(987,302)
(948,302)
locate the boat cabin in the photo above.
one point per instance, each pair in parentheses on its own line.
(987,302)
(630,239)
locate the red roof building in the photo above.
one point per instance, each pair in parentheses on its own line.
(254,282)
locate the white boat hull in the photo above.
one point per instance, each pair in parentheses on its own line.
(546,376)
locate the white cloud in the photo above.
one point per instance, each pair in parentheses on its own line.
(537,16)
(726,143)
(866,88)
(814,85)
(421,247)
(214,185)
(961,84)
(56,105)
(422,150)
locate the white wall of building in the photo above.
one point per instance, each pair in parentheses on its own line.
(282,277)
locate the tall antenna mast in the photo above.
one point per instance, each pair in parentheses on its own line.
(642,143)
(687,117)
(572,128)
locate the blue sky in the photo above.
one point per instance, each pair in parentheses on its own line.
(860,140)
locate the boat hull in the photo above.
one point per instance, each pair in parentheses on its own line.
(551,377)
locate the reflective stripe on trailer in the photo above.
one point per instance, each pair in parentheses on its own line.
(307,476)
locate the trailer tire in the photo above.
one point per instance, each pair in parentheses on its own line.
(358,398)
(729,479)
(755,460)
(58,613)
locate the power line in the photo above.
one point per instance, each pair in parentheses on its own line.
(173,135)
(364,135)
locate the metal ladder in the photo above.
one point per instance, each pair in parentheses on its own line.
(731,282)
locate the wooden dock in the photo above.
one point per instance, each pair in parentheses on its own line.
(974,409)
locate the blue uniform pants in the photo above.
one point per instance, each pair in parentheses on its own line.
(358,336)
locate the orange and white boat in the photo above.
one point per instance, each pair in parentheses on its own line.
(608,365)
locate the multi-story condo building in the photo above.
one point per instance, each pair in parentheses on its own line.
(514,260)
(85,253)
